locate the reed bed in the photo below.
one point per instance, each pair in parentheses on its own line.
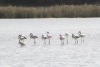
(57,11)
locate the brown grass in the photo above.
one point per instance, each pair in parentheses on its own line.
(57,11)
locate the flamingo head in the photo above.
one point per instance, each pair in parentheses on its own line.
(79,32)
(66,34)
(47,32)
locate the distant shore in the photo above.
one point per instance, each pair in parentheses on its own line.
(57,11)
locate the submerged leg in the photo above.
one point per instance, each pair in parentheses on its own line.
(67,39)
(34,41)
(63,42)
(44,41)
(49,40)
(83,39)
(75,41)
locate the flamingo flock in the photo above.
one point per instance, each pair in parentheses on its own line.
(21,38)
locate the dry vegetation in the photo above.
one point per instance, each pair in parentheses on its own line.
(52,11)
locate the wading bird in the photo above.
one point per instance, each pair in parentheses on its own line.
(66,34)
(44,38)
(62,39)
(49,36)
(81,35)
(75,37)
(33,37)
(21,37)
(21,43)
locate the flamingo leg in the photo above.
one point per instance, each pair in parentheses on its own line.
(67,39)
(63,42)
(75,41)
(44,41)
(83,39)
(49,40)
(34,41)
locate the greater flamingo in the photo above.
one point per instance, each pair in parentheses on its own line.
(62,39)
(33,37)
(21,43)
(75,37)
(81,35)
(66,34)
(44,38)
(49,36)
(21,37)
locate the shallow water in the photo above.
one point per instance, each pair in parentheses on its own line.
(54,55)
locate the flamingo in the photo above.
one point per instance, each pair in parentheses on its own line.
(66,34)
(33,37)
(44,38)
(21,37)
(48,36)
(21,43)
(62,39)
(81,35)
(75,37)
